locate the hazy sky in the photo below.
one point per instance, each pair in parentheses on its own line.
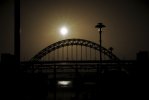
(127,29)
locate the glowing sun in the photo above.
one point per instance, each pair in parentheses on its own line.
(63,31)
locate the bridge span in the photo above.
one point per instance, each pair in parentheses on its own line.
(74,55)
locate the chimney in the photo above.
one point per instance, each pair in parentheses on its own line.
(17,30)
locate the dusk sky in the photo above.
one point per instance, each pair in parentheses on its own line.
(127,24)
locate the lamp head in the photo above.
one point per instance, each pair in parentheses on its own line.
(100,25)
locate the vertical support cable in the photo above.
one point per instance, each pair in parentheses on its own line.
(90,54)
(72,52)
(86,52)
(81,52)
(63,53)
(76,52)
(44,58)
(54,55)
(104,57)
(49,56)
(95,55)
(58,54)
(67,53)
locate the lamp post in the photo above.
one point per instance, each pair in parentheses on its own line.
(99,26)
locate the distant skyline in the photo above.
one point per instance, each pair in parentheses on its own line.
(126,21)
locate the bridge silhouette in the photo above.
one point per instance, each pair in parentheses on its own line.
(77,62)
(74,42)
(71,53)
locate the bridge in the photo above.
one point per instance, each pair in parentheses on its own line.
(72,67)
(69,44)
(71,54)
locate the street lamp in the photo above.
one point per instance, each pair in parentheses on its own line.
(99,26)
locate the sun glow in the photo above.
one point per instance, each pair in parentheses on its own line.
(63,31)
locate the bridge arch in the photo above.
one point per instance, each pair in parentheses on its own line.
(71,42)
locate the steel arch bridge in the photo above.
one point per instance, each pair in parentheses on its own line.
(72,42)
(80,73)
